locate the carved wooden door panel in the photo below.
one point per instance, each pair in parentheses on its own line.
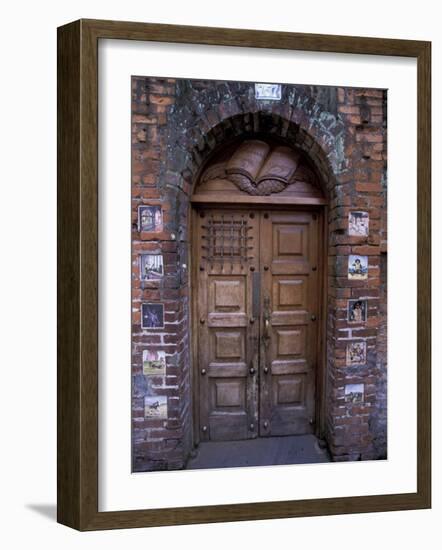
(289,259)
(257,302)
(227,343)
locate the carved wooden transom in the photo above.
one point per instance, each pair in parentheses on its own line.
(260,168)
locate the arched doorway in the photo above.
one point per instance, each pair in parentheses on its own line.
(258,292)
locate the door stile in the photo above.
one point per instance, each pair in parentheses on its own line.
(194,310)
(203,336)
(321,352)
(252,354)
(313,318)
(265,398)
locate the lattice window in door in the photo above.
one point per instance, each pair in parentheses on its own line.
(226,240)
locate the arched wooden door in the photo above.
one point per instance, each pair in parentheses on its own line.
(257,295)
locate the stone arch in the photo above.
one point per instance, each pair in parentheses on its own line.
(214,116)
(320,139)
(255,124)
(203,124)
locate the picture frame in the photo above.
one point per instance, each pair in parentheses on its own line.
(78,427)
(151,266)
(152,316)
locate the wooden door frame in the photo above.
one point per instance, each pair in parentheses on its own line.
(273,203)
(321,352)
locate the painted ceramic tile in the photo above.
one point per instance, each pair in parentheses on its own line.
(358,224)
(155,406)
(150,218)
(357,311)
(357,267)
(354,393)
(268,91)
(154,362)
(151,266)
(152,316)
(356,353)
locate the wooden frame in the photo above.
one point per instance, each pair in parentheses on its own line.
(78,274)
(273,203)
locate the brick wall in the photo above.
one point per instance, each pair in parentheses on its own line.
(158,443)
(354,428)
(176,125)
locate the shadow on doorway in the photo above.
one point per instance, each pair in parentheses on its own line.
(264,451)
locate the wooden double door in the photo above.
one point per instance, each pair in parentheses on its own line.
(257,308)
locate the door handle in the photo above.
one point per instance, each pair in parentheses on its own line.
(266,318)
(266,328)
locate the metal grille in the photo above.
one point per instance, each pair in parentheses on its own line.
(226,240)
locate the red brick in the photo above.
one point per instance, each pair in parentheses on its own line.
(366,250)
(365,187)
(349,109)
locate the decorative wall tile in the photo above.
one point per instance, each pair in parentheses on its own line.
(268,91)
(151,266)
(357,311)
(152,316)
(154,362)
(354,393)
(357,267)
(155,406)
(356,353)
(358,224)
(150,218)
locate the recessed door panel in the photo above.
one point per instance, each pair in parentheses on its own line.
(290,391)
(290,342)
(290,242)
(289,293)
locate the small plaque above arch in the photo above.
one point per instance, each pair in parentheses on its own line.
(259,171)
